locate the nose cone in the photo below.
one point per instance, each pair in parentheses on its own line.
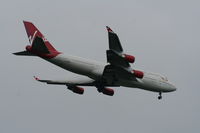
(172,88)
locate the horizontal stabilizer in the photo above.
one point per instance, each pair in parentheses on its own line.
(24,53)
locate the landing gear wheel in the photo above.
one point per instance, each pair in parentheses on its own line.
(160,96)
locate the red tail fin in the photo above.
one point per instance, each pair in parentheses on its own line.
(33,32)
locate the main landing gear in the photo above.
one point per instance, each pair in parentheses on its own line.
(160,95)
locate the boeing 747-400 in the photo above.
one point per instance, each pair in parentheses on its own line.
(115,73)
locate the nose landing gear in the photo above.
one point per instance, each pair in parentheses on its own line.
(160,96)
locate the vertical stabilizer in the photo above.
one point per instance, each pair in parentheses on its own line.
(39,45)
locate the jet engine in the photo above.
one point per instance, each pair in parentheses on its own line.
(108,91)
(138,74)
(76,89)
(129,58)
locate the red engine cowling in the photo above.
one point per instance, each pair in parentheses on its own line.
(28,48)
(76,89)
(138,74)
(129,58)
(108,91)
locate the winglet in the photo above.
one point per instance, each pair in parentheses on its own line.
(36,78)
(109,29)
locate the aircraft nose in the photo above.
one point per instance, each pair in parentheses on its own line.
(172,88)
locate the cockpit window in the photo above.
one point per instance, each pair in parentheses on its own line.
(164,78)
(157,76)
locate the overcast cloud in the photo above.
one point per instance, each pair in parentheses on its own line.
(162,35)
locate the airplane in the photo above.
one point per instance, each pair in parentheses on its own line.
(115,73)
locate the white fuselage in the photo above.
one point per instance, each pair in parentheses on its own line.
(94,70)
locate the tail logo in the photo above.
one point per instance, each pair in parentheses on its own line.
(31,38)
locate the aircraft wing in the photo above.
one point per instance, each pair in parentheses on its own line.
(73,82)
(115,55)
(119,67)
(116,59)
(114,42)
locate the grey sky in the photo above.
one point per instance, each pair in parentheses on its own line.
(163,35)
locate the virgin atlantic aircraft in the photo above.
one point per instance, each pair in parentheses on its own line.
(115,73)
